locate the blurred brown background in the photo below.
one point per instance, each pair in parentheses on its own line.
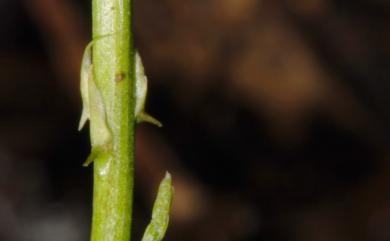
(275,119)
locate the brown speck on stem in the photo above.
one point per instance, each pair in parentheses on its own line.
(119,77)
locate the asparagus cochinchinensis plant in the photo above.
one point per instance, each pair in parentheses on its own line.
(113,89)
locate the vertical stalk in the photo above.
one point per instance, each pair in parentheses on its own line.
(114,75)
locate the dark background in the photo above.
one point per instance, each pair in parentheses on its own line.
(275,118)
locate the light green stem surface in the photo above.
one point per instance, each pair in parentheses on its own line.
(113,72)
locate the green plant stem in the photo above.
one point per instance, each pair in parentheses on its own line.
(113,71)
